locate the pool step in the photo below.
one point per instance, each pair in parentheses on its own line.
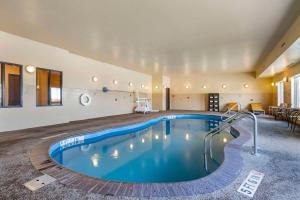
(39,182)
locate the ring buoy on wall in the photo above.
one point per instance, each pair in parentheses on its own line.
(85,99)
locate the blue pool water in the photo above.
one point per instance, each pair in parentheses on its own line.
(163,151)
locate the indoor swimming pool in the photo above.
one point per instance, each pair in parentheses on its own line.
(161,150)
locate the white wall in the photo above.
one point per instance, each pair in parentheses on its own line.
(77,74)
(195,97)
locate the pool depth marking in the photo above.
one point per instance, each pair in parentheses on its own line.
(250,185)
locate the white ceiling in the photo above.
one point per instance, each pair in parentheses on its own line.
(168,36)
(288,58)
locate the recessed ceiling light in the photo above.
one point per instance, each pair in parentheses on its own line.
(115,82)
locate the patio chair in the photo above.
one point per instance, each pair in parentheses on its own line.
(257,108)
(282,111)
(294,118)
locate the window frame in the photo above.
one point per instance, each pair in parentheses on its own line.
(2,80)
(49,87)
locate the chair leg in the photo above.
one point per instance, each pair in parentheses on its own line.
(294,127)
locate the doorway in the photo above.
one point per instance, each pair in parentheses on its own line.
(167,98)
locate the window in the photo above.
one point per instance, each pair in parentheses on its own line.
(10,85)
(280,93)
(49,87)
(296,91)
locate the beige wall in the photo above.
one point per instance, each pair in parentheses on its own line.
(77,74)
(195,97)
(159,93)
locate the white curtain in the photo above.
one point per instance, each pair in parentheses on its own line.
(280,93)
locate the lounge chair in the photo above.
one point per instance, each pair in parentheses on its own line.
(233,106)
(257,108)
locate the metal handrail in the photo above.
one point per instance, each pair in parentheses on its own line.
(229,110)
(228,123)
(228,119)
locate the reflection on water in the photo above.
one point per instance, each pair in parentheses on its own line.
(169,151)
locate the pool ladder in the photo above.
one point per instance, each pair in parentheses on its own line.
(225,124)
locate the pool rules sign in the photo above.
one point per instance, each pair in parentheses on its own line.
(250,185)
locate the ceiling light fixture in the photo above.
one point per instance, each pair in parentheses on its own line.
(204,87)
(142,86)
(30,68)
(115,82)
(224,86)
(130,84)
(95,79)
(246,85)
(156,87)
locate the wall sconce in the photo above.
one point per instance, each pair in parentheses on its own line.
(30,68)
(142,86)
(115,82)
(285,79)
(130,84)
(95,79)
(187,86)
(204,87)
(224,86)
(273,84)
(156,87)
(276,84)
(246,85)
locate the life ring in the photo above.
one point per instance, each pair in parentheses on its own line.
(85,99)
